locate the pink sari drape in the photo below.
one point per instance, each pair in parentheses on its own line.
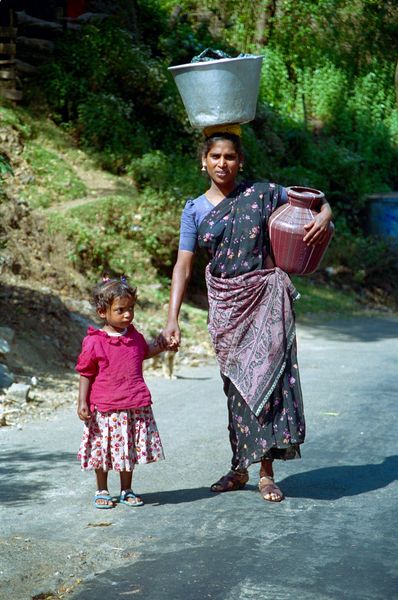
(251,323)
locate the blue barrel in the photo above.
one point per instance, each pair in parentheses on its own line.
(382,214)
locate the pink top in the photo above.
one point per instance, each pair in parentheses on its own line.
(115,364)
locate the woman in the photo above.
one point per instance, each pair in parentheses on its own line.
(251,321)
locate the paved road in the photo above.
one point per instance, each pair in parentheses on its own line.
(334,537)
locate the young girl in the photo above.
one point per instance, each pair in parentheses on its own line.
(114,400)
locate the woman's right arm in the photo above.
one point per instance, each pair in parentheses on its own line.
(179,282)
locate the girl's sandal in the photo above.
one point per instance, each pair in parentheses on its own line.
(233,480)
(267,487)
(124,498)
(104,497)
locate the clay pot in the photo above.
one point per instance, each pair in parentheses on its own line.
(286,231)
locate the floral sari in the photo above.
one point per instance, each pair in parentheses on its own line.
(251,323)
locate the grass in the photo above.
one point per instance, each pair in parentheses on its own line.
(52,179)
(16,118)
(55,180)
(324,301)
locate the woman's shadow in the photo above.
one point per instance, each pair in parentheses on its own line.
(332,483)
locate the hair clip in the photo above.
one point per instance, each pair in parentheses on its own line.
(105,278)
(123,279)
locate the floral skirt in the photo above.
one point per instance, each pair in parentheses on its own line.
(119,440)
(279,429)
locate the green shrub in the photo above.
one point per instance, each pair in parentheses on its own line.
(276,87)
(113,91)
(324,91)
(178,175)
(152,169)
(105,124)
(161,235)
(364,260)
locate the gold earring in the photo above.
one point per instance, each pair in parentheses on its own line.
(241,167)
(203,168)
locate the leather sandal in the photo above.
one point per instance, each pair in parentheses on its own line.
(233,480)
(267,486)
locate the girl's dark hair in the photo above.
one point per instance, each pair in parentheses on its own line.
(105,292)
(217,137)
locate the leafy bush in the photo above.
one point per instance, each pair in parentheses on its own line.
(276,87)
(178,175)
(105,123)
(323,90)
(161,235)
(365,261)
(113,91)
(326,118)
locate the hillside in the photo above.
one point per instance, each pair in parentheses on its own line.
(45,308)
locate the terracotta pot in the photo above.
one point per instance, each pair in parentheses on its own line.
(286,231)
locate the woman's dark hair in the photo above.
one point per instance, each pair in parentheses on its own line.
(105,292)
(219,136)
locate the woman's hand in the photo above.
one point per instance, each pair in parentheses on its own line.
(317,229)
(172,333)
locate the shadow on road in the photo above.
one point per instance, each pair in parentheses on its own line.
(362,329)
(178,496)
(332,483)
(193,378)
(195,573)
(23,465)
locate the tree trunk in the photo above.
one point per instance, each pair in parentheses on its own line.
(264,23)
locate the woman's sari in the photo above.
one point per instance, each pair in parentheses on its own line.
(251,323)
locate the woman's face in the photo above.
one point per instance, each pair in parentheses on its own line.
(222,162)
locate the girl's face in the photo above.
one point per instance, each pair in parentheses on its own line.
(120,314)
(222,163)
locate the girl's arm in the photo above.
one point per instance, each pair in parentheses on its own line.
(317,230)
(83,409)
(156,346)
(181,275)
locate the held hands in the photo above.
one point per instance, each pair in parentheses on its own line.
(161,344)
(172,334)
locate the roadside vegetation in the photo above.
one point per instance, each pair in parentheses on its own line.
(327,117)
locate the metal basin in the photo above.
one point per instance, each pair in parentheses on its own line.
(219,91)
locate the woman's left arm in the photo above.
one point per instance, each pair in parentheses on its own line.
(317,229)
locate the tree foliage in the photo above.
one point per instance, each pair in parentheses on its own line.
(327,113)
